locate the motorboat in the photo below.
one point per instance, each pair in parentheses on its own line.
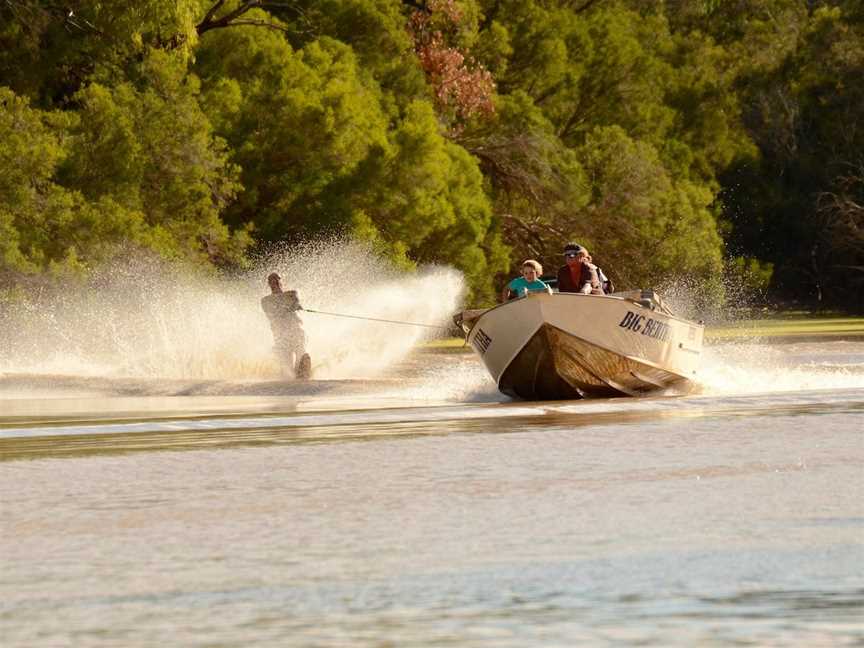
(554,346)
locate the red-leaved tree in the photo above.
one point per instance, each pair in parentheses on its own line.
(463,87)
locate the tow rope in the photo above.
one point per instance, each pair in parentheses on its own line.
(376,319)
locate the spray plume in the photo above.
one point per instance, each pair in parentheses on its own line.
(150,319)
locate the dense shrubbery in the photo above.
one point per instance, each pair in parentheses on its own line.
(664,136)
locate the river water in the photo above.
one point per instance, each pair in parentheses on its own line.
(419,507)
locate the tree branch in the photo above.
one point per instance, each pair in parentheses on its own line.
(210,22)
(258,23)
(232,19)
(212,12)
(50,11)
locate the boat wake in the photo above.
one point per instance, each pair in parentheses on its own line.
(752,368)
(43,416)
(421,377)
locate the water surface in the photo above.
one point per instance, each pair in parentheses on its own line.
(421,508)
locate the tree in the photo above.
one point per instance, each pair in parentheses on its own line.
(297,121)
(636,124)
(51,49)
(149,147)
(461,87)
(422,199)
(45,226)
(790,203)
(654,227)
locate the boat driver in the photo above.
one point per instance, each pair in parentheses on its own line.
(579,274)
(281,308)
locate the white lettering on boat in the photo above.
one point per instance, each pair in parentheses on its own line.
(646,326)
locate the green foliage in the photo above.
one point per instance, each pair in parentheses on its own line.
(311,132)
(537,184)
(297,121)
(35,213)
(639,212)
(794,204)
(425,201)
(196,129)
(756,275)
(132,166)
(48,50)
(150,150)
(375,30)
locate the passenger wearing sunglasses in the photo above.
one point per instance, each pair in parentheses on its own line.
(579,275)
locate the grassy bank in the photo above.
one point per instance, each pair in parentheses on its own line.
(801,326)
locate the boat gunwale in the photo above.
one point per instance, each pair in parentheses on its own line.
(541,295)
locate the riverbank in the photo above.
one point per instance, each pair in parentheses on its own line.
(795,327)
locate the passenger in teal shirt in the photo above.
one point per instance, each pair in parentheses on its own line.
(528,282)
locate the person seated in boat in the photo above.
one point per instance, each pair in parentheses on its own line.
(579,274)
(289,339)
(605,282)
(529,282)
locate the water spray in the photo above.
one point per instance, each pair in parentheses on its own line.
(144,319)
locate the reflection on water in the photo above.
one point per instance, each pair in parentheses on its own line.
(421,510)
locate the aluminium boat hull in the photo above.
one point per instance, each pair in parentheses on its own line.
(565,346)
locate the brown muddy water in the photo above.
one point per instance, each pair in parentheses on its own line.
(419,507)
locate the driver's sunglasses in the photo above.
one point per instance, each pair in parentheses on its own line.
(571,255)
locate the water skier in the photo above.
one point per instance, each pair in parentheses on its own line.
(289,339)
